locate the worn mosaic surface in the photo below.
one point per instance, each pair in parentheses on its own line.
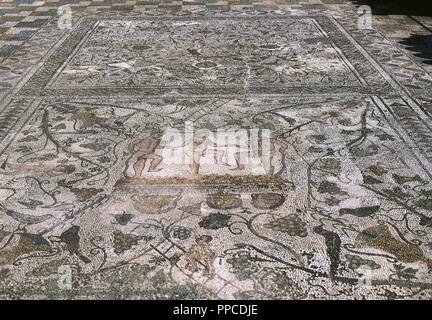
(87,186)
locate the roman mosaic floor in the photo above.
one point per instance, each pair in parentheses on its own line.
(98,202)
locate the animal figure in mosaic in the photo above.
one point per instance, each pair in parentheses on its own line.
(72,240)
(88,119)
(24,218)
(333,248)
(52,170)
(201,253)
(380,237)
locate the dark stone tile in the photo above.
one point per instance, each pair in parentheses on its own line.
(32,24)
(6,50)
(21,36)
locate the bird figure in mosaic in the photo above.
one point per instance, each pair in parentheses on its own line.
(380,237)
(333,248)
(25,218)
(360,212)
(72,240)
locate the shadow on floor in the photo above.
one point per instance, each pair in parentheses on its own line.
(421,45)
(402,7)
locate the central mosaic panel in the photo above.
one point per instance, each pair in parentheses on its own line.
(87,184)
(207,56)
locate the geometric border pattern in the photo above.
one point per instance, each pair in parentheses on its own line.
(374,82)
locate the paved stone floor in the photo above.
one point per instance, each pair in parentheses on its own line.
(116,183)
